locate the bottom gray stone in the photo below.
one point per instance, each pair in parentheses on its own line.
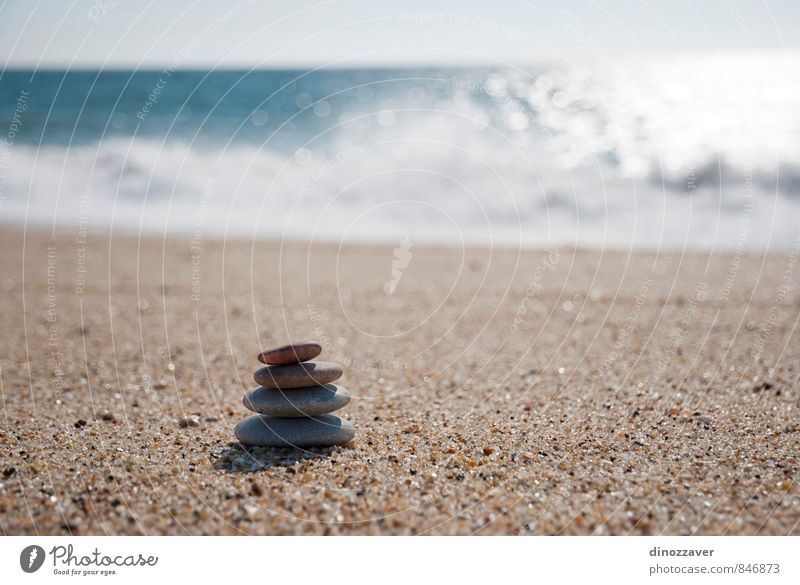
(272,431)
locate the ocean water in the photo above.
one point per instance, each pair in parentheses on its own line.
(676,151)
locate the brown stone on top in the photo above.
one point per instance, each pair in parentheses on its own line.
(290,353)
(298,375)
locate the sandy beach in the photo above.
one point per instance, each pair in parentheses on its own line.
(496,391)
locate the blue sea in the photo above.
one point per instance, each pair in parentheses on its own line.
(677,151)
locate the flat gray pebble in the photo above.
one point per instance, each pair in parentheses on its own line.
(270,431)
(310,401)
(298,375)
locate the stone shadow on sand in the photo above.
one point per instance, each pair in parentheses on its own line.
(238,458)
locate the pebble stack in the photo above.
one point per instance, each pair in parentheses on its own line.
(295,400)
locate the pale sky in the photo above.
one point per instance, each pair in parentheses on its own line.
(204,33)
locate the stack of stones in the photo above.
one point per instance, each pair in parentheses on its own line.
(295,401)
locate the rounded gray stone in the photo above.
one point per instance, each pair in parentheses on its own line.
(310,401)
(291,353)
(270,431)
(298,375)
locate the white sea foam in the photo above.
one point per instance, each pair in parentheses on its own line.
(476,190)
(681,152)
